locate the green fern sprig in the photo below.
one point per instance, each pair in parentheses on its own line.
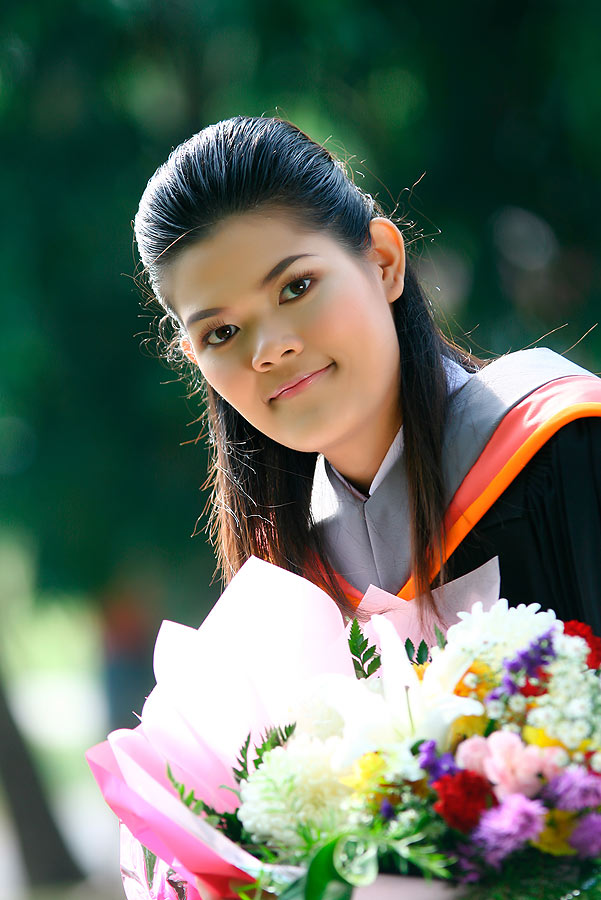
(365,659)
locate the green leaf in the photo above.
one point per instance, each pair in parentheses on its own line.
(422,653)
(362,651)
(415,747)
(426,857)
(150,861)
(356,860)
(410,649)
(274,737)
(227,822)
(440,638)
(241,774)
(374,666)
(323,882)
(176,784)
(369,653)
(294,891)
(355,636)
(189,799)
(490,727)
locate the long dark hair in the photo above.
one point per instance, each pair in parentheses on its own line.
(261,490)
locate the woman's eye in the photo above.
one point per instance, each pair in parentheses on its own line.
(296,288)
(221,334)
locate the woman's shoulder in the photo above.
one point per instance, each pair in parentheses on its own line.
(503,382)
(518,399)
(536,360)
(546,527)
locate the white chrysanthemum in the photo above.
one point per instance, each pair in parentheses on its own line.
(539,717)
(513,727)
(494,709)
(571,648)
(572,733)
(517,703)
(499,632)
(570,708)
(578,708)
(295,785)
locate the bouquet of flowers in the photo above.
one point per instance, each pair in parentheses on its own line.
(284,752)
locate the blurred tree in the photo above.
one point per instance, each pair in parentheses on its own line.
(46,858)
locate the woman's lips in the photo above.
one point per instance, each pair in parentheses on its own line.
(291,388)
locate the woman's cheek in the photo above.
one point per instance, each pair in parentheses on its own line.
(324,318)
(234,386)
(214,374)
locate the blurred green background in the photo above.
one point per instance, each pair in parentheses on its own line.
(480,122)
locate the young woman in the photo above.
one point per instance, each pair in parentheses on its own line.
(352,442)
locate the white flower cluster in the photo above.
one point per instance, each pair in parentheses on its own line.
(295,787)
(570,709)
(500,632)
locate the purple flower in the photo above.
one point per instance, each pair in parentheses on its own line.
(470,869)
(387,810)
(506,828)
(574,789)
(586,836)
(528,661)
(436,766)
(539,653)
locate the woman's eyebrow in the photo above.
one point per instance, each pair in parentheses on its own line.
(203,314)
(279,268)
(273,274)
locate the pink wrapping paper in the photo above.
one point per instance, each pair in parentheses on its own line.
(267,635)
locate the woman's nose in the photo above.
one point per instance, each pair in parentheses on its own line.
(273,346)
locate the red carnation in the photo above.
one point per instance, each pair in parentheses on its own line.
(573,627)
(535,690)
(462,798)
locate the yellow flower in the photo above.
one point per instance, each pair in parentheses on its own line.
(554,836)
(540,737)
(419,669)
(466,726)
(484,685)
(367,773)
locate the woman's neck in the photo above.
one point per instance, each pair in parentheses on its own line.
(359,460)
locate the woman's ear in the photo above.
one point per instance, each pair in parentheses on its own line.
(187,349)
(387,251)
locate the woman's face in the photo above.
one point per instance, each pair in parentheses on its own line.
(297,334)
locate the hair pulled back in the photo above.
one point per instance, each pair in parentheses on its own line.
(260,502)
(239,165)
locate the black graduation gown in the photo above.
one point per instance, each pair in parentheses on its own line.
(546,529)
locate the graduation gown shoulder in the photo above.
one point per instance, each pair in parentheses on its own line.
(546,528)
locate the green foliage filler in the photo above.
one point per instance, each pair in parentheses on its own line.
(274,737)
(422,652)
(365,659)
(226,822)
(534,877)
